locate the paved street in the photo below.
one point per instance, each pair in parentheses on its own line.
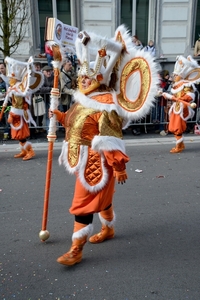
(155,253)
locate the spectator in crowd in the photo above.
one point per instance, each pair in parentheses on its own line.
(137,43)
(3,68)
(67,84)
(4,84)
(3,73)
(150,48)
(38,107)
(74,60)
(4,122)
(2,87)
(160,115)
(197,47)
(46,88)
(38,66)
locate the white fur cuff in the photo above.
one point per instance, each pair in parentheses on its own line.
(84,232)
(107,143)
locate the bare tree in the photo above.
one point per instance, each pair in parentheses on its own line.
(14,19)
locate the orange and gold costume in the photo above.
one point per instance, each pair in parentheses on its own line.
(19,118)
(86,152)
(186,74)
(23,80)
(179,113)
(93,148)
(94,151)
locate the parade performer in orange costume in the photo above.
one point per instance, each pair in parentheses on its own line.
(93,149)
(23,81)
(186,73)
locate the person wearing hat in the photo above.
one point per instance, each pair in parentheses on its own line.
(186,74)
(47,68)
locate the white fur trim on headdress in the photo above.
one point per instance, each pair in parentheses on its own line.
(100,49)
(184,67)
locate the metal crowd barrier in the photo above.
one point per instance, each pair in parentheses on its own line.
(157,117)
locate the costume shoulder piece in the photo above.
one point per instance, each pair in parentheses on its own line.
(116,64)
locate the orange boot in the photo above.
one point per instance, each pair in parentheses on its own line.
(179,146)
(29,151)
(107,218)
(23,151)
(79,238)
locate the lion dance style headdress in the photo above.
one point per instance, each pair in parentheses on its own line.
(188,69)
(23,80)
(133,72)
(23,76)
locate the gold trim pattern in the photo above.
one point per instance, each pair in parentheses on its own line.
(110,124)
(75,119)
(137,64)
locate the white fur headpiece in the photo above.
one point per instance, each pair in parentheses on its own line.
(17,69)
(102,51)
(184,66)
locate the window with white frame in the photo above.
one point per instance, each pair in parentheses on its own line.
(142,16)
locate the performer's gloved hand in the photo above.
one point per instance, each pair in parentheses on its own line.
(52,112)
(120,176)
(168,96)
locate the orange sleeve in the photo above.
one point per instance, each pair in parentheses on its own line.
(60,116)
(186,98)
(116,159)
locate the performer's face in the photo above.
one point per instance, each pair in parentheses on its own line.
(85,82)
(177,78)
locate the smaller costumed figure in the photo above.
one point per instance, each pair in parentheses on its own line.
(23,81)
(186,74)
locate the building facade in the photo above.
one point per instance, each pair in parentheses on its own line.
(172,25)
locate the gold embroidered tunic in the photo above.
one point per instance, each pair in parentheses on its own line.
(93,149)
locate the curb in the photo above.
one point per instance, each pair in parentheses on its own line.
(129,142)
